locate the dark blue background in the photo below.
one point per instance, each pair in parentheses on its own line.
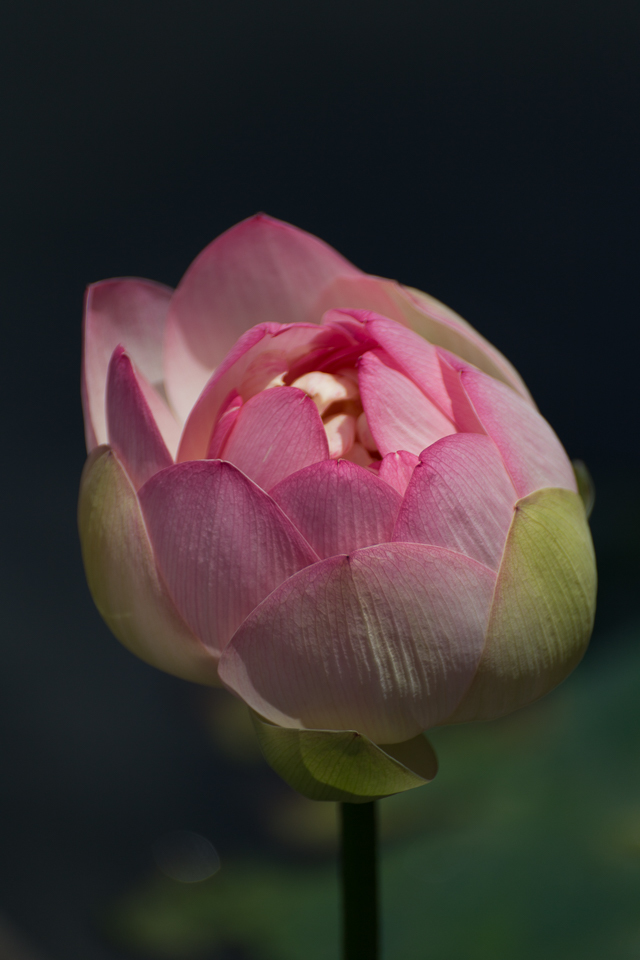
(483,151)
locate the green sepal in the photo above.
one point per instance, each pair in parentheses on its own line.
(586,486)
(342,765)
(543,607)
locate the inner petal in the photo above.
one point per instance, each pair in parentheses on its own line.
(341,434)
(326,389)
(337,397)
(399,415)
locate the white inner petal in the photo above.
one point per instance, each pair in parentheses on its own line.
(326,389)
(341,434)
(275,382)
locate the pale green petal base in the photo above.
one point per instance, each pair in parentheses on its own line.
(344,766)
(543,609)
(123,579)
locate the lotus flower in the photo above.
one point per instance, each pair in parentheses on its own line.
(326,491)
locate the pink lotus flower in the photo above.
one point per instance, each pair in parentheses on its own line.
(326,490)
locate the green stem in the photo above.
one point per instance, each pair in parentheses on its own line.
(359,881)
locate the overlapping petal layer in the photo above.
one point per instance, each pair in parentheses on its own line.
(385,641)
(429,318)
(443,327)
(543,610)
(128,312)
(277,432)
(532,453)
(338,506)
(399,414)
(133,430)
(397,468)
(258,357)
(460,496)
(260,271)
(221,544)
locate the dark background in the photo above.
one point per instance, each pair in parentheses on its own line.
(485,152)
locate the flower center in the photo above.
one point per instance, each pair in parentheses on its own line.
(337,398)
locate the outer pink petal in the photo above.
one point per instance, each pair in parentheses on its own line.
(221,544)
(428,317)
(381,642)
(460,496)
(399,415)
(133,432)
(397,468)
(531,451)
(278,432)
(362,292)
(262,270)
(443,326)
(259,355)
(127,311)
(338,506)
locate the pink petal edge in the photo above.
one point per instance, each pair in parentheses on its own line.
(276,432)
(127,311)
(399,414)
(531,451)
(260,271)
(133,431)
(221,544)
(338,507)
(258,356)
(460,497)
(383,642)
(397,468)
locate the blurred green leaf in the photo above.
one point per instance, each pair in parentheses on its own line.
(526,846)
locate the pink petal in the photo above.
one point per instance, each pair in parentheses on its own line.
(278,432)
(262,270)
(362,292)
(259,355)
(165,421)
(531,451)
(444,327)
(128,312)
(399,415)
(221,544)
(338,506)
(224,426)
(429,318)
(422,362)
(133,432)
(381,642)
(186,375)
(397,468)
(460,496)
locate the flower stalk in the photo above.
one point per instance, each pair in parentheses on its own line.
(359,865)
